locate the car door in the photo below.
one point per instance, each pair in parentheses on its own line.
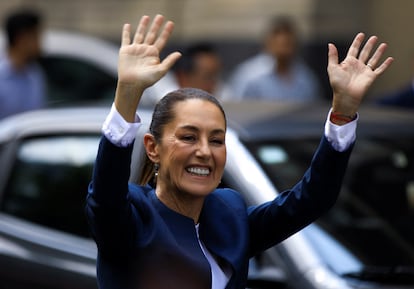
(33,256)
(44,240)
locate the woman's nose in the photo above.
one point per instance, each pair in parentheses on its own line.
(203,149)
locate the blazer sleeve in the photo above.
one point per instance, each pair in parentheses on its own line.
(108,210)
(292,210)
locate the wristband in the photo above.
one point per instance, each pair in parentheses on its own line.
(341,118)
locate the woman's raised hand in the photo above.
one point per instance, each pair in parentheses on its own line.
(351,78)
(139,64)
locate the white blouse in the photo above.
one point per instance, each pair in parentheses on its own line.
(219,276)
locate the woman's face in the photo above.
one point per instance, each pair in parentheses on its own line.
(192,151)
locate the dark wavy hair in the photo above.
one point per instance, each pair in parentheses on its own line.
(164,113)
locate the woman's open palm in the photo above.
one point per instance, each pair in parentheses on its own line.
(351,79)
(139,61)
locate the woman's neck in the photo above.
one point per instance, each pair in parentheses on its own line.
(182,203)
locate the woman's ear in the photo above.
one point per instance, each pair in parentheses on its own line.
(151,147)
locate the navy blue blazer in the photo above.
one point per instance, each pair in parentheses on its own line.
(144,244)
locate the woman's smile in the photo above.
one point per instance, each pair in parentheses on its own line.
(199,171)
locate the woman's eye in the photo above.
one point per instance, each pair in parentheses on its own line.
(188,138)
(217,141)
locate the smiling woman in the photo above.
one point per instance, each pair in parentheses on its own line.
(183,231)
(187,143)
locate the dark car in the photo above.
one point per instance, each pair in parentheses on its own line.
(46,159)
(365,241)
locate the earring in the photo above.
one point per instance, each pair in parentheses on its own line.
(153,181)
(156,168)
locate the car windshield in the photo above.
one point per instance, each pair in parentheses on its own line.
(374,216)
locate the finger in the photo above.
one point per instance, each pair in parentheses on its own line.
(387,62)
(154,29)
(356,44)
(332,55)
(165,34)
(367,49)
(141,29)
(169,61)
(126,32)
(377,55)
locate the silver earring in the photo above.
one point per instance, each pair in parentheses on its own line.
(156,168)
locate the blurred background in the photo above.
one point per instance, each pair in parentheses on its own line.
(237,25)
(366,240)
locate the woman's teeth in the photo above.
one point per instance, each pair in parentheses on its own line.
(199,171)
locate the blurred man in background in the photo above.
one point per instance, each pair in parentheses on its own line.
(200,66)
(277,73)
(22,85)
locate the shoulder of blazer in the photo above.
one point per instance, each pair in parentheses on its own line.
(229,198)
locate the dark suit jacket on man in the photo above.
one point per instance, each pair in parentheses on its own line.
(144,244)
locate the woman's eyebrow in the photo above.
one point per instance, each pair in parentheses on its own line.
(196,129)
(189,127)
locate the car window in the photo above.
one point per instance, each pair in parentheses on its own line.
(375,209)
(49,182)
(71,80)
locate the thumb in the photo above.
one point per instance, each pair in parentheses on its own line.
(332,55)
(169,61)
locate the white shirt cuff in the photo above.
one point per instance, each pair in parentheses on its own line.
(117,130)
(340,136)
